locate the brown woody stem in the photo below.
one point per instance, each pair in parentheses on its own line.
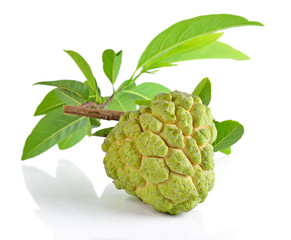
(84,110)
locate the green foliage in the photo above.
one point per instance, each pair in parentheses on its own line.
(203,90)
(50,102)
(161,59)
(75,137)
(102,132)
(50,130)
(186,37)
(95,123)
(111,64)
(226,151)
(147,103)
(74,89)
(146,91)
(128,84)
(122,102)
(86,70)
(69,98)
(191,39)
(228,133)
(214,50)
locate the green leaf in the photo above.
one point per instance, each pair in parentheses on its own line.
(121,102)
(128,84)
(50,130)
(147,103)
(50,102)
(68,97)
(203,90)
(185,32)
(189,46)
(91,97)
(103,132)
(111,64)
(163,63)
(86,70)
(228,133)
(146,91)
(215,50)
(77,89)
(226,151)
(95,122)
(75,137)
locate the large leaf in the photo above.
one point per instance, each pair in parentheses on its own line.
(75,87)
(228,133)
(146,91)
(121,102)
(111,64)
(203,90)
(187,31)
(215,50)
(50,102)
(184,48)
(50,130)
(75,137)
(86,70)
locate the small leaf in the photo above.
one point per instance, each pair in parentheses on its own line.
(146,91)
(50,130)
(76,87)
(95,123)
(74,138)
(103,132)
(186,31)
(121,102)
(111,64)
(147,103)
(50,102)
(86,70)
(228,133)
(226,151)
(203,90)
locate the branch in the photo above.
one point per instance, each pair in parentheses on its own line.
(92,112)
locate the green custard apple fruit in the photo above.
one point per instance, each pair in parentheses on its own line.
(163,153)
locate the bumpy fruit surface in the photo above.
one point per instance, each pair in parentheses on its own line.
(163,154)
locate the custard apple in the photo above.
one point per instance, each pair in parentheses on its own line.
(163,153)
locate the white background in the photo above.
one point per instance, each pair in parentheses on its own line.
(67,195)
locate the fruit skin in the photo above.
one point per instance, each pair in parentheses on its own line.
(163,154)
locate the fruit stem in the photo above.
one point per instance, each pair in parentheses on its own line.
(87,111)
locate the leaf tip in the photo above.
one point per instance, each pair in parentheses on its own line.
(24,157)
(257,24)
